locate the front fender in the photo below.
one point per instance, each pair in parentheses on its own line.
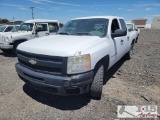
(133,36)
(97,51)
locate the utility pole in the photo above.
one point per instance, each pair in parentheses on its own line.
(13,20)
(32,12)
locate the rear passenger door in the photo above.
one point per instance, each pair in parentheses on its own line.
(125,39)
(41,29)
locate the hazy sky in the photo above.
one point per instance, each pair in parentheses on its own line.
(64,10)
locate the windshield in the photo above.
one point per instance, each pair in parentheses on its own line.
(130,26)
(91,27)
(26,27)
(16,28)
(2,28)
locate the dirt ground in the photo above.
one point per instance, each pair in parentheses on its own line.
(132,82)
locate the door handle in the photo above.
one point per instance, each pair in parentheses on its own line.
(122,41)
(47,33)
(128,38)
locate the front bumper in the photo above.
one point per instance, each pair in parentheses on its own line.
(61,85)
(5,46)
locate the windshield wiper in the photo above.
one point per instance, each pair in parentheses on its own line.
(63,33)
(84,33)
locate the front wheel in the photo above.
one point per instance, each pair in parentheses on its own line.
(6,50)
(15,48)
(97,84)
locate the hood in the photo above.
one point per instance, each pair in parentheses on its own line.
(57,45)
(14,34)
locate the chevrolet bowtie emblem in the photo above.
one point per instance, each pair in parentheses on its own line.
(33,62)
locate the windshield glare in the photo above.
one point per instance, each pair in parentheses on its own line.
(91,27)
(2,28)
(26,27)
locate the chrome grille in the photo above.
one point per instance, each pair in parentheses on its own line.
(43,63)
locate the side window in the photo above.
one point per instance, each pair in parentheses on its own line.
(123,24)
(115,25)
(53,27)
(9,28)
(41,27)
(135,27)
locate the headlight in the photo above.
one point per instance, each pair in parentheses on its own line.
(5,39)
(78,64)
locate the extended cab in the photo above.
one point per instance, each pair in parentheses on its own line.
(74,60)
(134,32)
(27,31)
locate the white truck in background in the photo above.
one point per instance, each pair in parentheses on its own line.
(74,60)
(8,28)
(134,32)
(27,31)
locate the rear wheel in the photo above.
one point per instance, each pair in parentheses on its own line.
(136,40)
(97,84)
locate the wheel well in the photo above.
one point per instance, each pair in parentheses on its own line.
(137,37)
(133,41)
(22,40)
(104,61)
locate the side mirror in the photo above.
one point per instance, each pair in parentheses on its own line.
(36,31)
(130,29)
(119,33)
(136,29)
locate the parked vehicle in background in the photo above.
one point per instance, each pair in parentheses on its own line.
(27,31)
(6,28)
(15,28)
(74,60)
(133,31)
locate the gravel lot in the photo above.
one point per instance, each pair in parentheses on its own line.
(133,82)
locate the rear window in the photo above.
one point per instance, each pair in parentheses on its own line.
(53,27)
(41,27)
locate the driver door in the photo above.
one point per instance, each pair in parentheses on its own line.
(118,41)
(41,29)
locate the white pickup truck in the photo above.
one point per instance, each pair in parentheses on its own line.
(74,60)
(134,32)
(27,31)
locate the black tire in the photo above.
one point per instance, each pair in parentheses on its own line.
(6,50)
(97,84)
(129,54)
(136,40)
(15,48)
